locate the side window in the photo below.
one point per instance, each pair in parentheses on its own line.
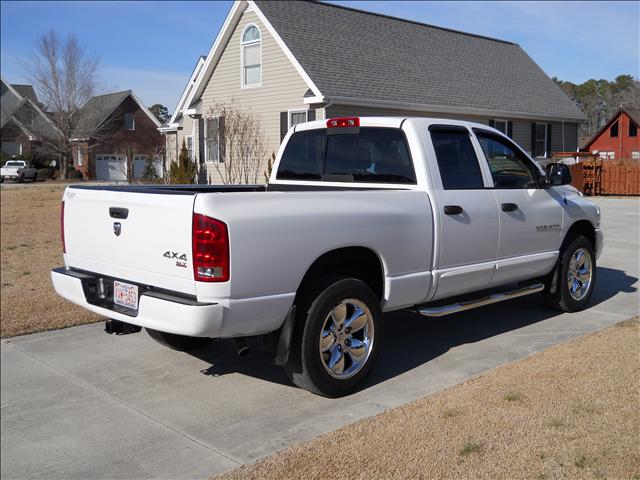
(303,157)
(509,167)
(457,160)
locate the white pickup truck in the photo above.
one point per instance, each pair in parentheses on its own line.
(19,170)
(361,216)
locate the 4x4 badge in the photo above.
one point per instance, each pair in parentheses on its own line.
(117,228)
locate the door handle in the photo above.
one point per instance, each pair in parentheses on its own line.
(509,207)
(452,209)
(118,212)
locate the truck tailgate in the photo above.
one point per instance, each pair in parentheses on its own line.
(141,237)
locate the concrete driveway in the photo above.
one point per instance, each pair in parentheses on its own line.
(78,403)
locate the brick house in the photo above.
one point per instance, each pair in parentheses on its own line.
(24,125)
(292,61)
(115,135)
(618,138)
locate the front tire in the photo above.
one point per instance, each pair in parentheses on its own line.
(337,337)
(181,343)
(576,277)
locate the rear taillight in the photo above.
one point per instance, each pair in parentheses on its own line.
(343,122)
(64,246)
(210,249)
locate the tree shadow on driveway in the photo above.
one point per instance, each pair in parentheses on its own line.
(411,340)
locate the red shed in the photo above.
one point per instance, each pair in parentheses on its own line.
(618,139)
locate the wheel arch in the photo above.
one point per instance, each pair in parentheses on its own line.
(354,261)
(580,227)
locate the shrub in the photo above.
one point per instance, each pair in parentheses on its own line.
(184,170)
(43,174)
(75,175)
(149,173)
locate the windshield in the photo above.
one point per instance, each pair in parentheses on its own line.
(370,155)
(14,163)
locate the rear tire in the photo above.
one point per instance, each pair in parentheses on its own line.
(181,343)
(337,336)
(576,277)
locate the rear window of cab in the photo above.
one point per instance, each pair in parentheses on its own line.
(363,155)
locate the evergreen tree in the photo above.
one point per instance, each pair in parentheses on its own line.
(184,170)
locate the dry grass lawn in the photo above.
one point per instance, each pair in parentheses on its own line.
(30,248)
(572,411)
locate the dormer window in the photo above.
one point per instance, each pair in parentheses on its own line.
(251,56)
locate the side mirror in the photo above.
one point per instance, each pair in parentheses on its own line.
(557,174)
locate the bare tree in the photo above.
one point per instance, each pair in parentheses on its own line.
(65,78)
(240,143)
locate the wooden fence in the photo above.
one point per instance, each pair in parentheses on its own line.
(606,178)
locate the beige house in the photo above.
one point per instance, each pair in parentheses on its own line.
(288,62)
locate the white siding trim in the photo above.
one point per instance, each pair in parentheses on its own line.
(187,89)
(222,40)
(285,49)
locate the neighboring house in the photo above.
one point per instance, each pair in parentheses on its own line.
(24,126)
(289,62)
(115,135)
(618,139)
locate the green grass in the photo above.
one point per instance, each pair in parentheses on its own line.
(470,447)
(513,397)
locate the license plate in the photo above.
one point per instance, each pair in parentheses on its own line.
(125,295)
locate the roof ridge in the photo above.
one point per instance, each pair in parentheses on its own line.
(112,93)
(407,20)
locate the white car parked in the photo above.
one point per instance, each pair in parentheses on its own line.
(18,170)
(361,216)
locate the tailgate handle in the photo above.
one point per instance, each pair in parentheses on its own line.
(117,212)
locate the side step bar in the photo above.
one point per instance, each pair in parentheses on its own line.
(439,311)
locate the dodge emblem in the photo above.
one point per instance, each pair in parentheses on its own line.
(117,228)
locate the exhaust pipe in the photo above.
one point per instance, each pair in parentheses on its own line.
(242,348)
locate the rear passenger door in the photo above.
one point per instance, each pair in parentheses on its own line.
(530,216)
(468,216)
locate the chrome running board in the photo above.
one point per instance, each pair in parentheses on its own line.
(439,311)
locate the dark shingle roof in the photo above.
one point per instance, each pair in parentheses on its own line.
(634,114)
(26,91)
(96,111)
(357,54)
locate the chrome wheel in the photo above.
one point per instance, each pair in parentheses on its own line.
(346,339)
(579,274)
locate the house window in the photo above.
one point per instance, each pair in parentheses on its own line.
(212,127)
(129,122)
(540,147)
(635,155)
(296,117)
(500,125)
(613,131)
(81,156)
(251,53)
(633,129)
(607,155)
(189,144)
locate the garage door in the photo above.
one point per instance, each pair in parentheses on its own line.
(139,163)
(111,167)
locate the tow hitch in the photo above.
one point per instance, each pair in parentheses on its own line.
(120,328)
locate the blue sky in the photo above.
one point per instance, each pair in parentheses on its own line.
(151,47)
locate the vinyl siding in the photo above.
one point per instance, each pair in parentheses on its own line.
(282,89)
(521,132)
